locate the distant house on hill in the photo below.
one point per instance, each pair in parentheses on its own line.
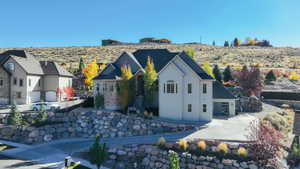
(25,80)
(185,90)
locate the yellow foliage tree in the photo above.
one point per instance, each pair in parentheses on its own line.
(126,87)
(208,69)
(294,76)
(90,71)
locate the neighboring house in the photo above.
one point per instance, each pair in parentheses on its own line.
(25,80)
(186,92)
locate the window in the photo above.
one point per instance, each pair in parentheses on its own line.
(29,82)
(171,87)
(204,88)
(39,82)
(19,95)
(111,88)
(10,67)
(97,88)
(189,88)
(189,107)
(204,107)
(21,82)
(15,81)
(1,82)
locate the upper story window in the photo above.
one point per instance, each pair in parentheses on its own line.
(1,82)
(97,87)
(29,82)
(15,81)
(111,88)
(10,67)
(189,88)
(204,88)
(189,107)
(171,87)
(21,82)
(204,108)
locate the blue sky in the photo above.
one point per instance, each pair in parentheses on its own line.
(40,23)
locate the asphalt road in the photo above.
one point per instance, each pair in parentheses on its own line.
(12,163)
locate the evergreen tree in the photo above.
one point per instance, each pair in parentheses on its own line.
(227,74)
(42,114)
(126,87)
(207,68)
(150,85)
(236,42)
(81,65)
(226,44)
(15,117)
(174,160)
(217,73)
(98,153)
(191,52)
(270,76)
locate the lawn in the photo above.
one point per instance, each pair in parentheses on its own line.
(77,166)
(5,147)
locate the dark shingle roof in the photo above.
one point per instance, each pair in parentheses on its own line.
(220,92)
(24,59)
(160,57)
(52,68)
(193,65)
(110,72)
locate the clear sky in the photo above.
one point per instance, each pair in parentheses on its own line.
(40,23)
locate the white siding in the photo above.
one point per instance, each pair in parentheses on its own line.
(33,88)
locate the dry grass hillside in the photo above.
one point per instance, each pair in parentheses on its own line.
(266,57)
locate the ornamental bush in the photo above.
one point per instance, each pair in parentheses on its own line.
(201,145)
(161,142)
(223,148)
(242,152)
(174,160)
(183,144)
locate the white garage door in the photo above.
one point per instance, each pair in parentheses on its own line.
(51,96)
(35,97)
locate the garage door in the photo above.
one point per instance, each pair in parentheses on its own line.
(35,97)
(221,108)
(51,96)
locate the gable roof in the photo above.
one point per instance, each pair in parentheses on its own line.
(109,72)
(24,59)
(52,68)
(220,92)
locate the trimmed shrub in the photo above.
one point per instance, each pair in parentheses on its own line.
(161,142)
(15,117)
(201,145)
(183,144)
(174,160)
(223,148)
(242,152)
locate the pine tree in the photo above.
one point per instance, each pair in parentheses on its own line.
(226,44)
(236,42)
(126,87)
(191,52)
(270,76)
(217,73)
(15,117)
(207,68)
(227,74)
(174,160)
(42,114)
(150,85)
(98,153)
(81,65)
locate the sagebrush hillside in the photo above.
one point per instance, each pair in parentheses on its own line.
(265,56)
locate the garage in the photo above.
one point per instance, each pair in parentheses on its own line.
(221,108)
(35,97)
(51,96)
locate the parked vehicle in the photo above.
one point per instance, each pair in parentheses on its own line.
(47,106)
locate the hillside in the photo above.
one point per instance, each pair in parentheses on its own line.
(266,57)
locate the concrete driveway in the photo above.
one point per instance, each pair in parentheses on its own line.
(234,128)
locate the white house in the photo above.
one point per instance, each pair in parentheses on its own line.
(25,80)
(185,92)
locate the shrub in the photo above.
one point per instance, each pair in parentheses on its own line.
(294,76)
(223,148)
(15,117)
(201,145)
(174,160)
(161,142)
(277,121)
(42,114)
(242,152)
(183,144)
(98,153)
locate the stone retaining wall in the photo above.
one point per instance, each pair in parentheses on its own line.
(148,156)
(86,124)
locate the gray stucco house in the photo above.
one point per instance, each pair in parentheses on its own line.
(25,80)
(185,90)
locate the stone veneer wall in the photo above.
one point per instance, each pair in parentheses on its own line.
(149,156)
(86,124)
(109,90)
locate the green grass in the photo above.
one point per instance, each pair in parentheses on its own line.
(5,147)
(77,166)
